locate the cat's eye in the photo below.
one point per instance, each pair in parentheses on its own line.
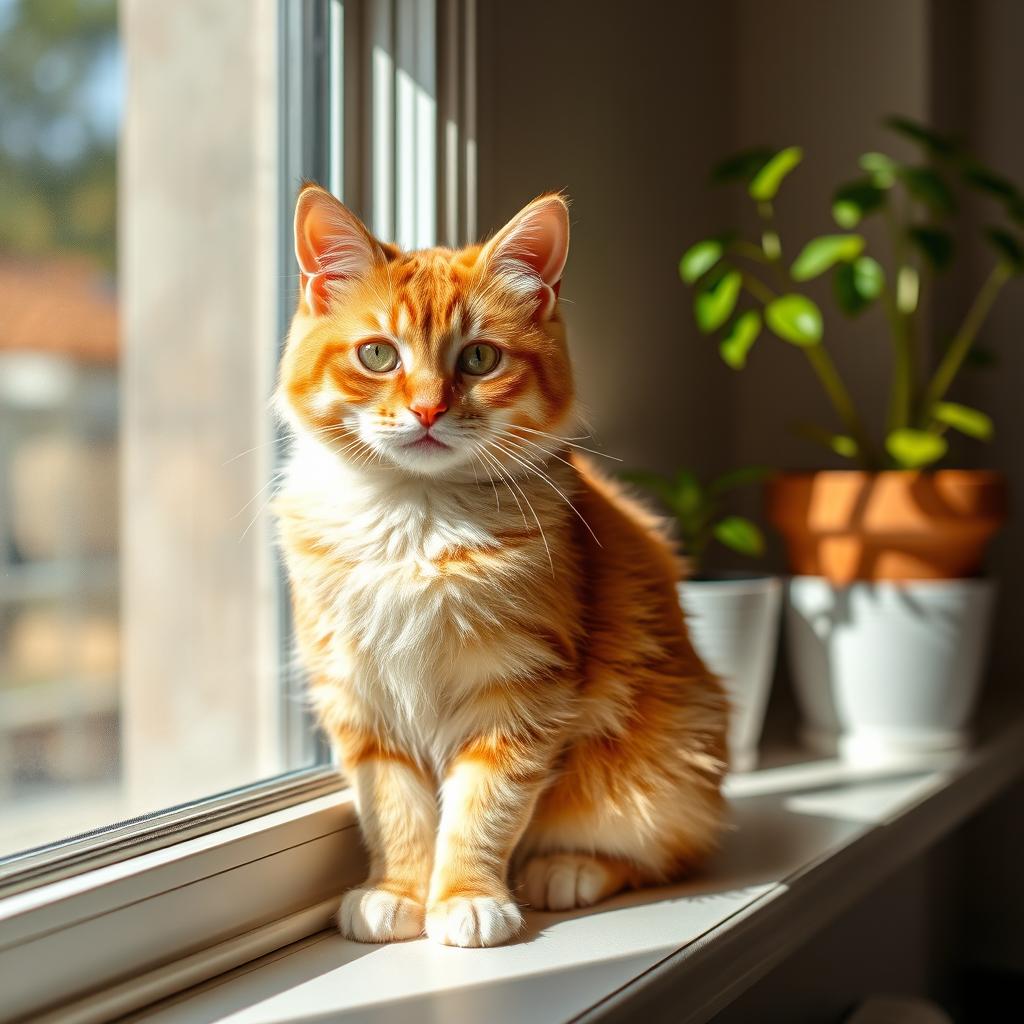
(478,359)
(378,356)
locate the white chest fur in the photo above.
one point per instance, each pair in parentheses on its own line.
(409,631)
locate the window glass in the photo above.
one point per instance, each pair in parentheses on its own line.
(143,660)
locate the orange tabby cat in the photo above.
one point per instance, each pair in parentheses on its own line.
(491,628)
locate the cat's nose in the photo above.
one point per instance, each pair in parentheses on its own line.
(428,412)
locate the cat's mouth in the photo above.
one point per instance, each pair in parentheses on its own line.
(427,443)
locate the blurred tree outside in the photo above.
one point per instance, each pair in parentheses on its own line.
(59,112)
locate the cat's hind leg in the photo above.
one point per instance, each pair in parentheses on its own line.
(617,818)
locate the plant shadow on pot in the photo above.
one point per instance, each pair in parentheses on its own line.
(885,670)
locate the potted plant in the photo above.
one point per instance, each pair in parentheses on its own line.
(733,616)
(887,615)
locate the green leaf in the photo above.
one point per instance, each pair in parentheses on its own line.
(857,284)
(699,259)
(795,319)
(913,449)
(985,180)
(742,334)
(928,186)
(844,445)
(821,253)
(1008,246)
(933,142)
(660,486)
(841,444)
(768,179)
(742,166)
(980,358)
(968,421)
(687,499)
(716,300)
(852,202)
(935,243)
(881,169)
(740,535)
(742,477)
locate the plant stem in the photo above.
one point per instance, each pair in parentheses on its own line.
(951,362)
(828,375)
(821,362)
(757,288)
(901,392)
(771,244)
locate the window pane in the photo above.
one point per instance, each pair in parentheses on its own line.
(142,658)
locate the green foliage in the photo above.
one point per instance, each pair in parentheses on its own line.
(853,202)
(857,284)
(928,186)
(931,141)
(740,535)
(1008,247)
(881,169)
(935,244)
(741,166)
(914,449)
(716,299)
(59,186)
(794,318)
(697,508)
(768,179)
(743,285)
(742,335)
(968,421)
(699,259)
(821,254)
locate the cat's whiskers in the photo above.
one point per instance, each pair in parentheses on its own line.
(490,479)
(567,441)
(517,441)
(504,477)
(332,430)
(531,467)
(509,478)
(274,479)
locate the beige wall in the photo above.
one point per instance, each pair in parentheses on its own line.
(589,99)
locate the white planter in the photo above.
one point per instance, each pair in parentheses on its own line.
(885,671)
(734,625)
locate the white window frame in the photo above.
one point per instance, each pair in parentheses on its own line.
(126,915)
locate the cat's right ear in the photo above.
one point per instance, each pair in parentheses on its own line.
(332,245)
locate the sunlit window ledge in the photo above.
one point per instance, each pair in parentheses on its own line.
(810,837)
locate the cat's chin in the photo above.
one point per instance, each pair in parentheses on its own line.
(429,460)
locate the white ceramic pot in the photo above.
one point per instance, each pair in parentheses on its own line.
(734,625)
(887,670)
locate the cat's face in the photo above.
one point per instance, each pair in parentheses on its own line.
(436,362)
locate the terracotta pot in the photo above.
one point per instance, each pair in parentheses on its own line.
(851,525)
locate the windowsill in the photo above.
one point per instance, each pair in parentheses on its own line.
(810,837)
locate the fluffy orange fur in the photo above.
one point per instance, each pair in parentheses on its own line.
(490,627)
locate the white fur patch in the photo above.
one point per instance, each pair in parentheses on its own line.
(473,921)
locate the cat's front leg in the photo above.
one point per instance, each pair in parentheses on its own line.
(397,803)
(487,798)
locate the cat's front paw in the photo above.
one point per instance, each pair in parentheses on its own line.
(473,921)
(377,915)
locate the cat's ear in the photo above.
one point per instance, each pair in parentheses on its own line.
(530,251)
(332,245)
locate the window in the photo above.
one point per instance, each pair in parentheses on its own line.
(147,277)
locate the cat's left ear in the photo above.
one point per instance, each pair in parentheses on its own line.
(530,251)
(332,245)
